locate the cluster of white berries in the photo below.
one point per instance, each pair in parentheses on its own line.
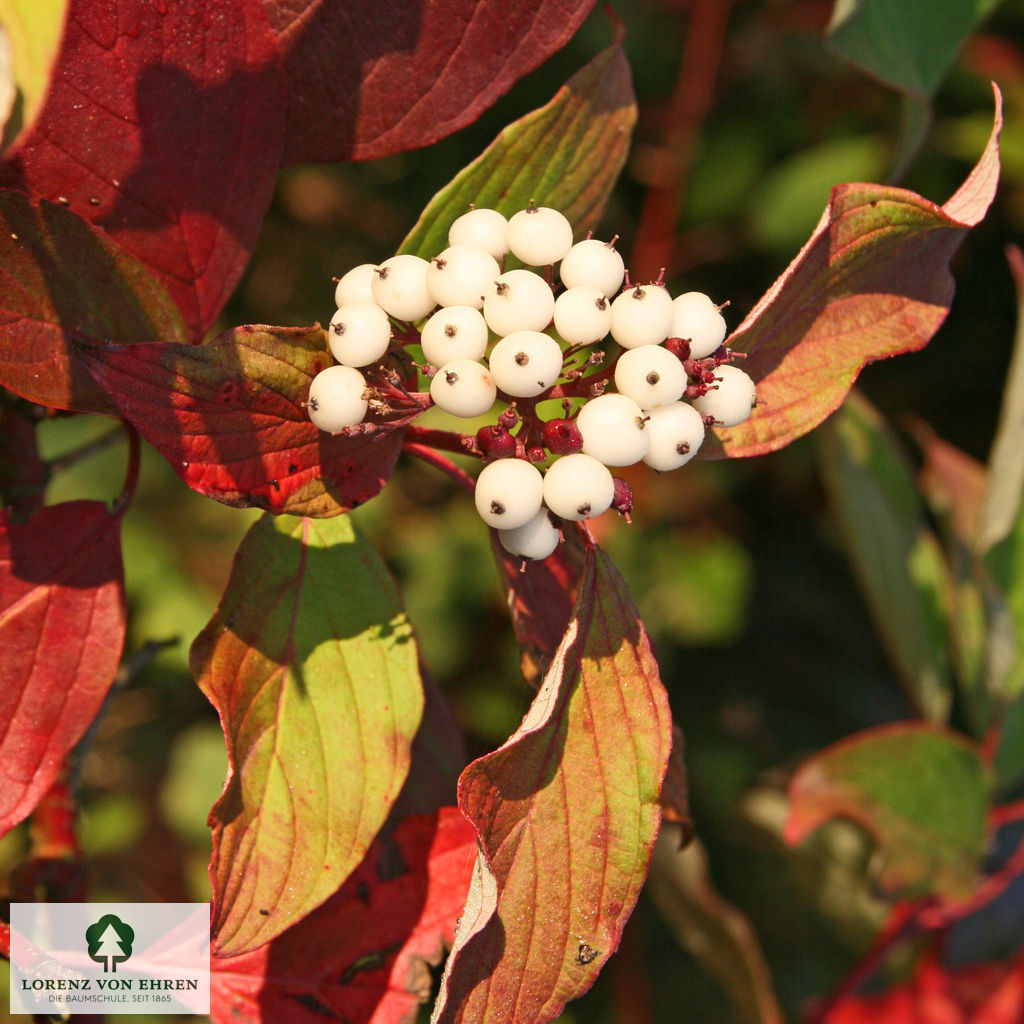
(673,377)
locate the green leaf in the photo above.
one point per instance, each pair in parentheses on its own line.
(312,666)
(872,281)
(908,46)
(921,791)
(567,154)
(896,555)
(33,29)
(567,814)
(62,281)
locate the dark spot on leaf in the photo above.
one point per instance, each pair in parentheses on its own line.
(370,962)
(314,1004)
(264,912)
(275,485)
(363,892)
(586,954)
(292,468)
(228,392)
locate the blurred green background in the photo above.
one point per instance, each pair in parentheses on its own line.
(765,643)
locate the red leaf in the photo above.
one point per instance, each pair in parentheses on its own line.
(164,127)
(953,482)
(541,596)
(872,281)
(362,956)
(567,812)
(64,281)
(368,80)
(980,994)
(228,416)
(62,624)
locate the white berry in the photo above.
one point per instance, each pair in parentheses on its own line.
(460,275)
(359,334)
(595,263)
(524,364)
(539,236)
(642,316)
(533,540)
(482,228)
(677,432)
(518,300)
(355,286)
(400,287)
(732,401)
(336,398)
(614,431)
(464,388)
(578,487)
(696,318)
(583,315)
(650,375)
(455,332)
(509,493)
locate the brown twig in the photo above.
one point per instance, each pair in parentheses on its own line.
(673,157)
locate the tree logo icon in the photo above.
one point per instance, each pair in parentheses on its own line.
(110,941)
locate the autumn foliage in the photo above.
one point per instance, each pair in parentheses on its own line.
(130,206)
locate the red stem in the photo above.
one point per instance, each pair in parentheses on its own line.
(942,915)
(131,481)
(52,826)
(445,440)
(902,923)
(691,101)
(5,940)
(1006,814)
(438,461)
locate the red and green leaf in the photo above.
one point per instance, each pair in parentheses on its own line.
(312,666)
(567,813)
(541,597)
(363,955)
(164,127)
(229,418)
(872,281)
(369,80)
(567,154)
(923,794)
(62,627)
(65,282)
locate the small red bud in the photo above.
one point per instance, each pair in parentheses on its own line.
(537,454)
(495,442)
(622,501)
(679,347)
(508,418)
(562,437)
